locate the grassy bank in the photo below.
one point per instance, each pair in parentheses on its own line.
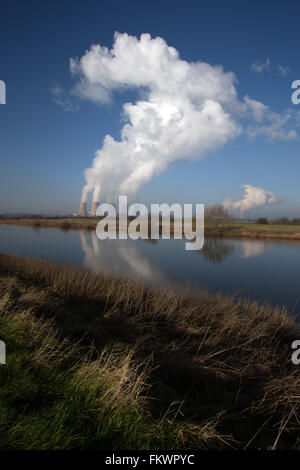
(228,229)
(256,231)
(98,362)
(65,223)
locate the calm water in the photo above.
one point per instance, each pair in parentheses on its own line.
(264,270)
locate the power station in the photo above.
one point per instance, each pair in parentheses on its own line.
(83,212)
(94,208)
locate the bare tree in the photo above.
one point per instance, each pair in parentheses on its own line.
(217,214)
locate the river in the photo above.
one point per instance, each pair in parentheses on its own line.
(257,269)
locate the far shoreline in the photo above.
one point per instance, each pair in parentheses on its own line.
(223,230)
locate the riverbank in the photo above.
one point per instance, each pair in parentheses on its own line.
(228,229)
(255,231)
(94,361)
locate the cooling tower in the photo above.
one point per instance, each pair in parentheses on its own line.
(94,208)
(82,209)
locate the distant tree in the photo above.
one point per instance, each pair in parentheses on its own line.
(217,213)
(262,220)
(295,221)
(281,221)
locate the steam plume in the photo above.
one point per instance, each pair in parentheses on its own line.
(184,112)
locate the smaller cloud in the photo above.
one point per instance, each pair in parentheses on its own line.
(274,126)
(63,99)
(260,67)
(282,70)
(253,197)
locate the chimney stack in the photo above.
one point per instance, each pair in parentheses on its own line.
(94,208)
(82,209)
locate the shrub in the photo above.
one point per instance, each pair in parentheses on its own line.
(262,221)
(295,221)
(281,221)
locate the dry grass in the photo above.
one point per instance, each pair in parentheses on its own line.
(57,394)
(212,360)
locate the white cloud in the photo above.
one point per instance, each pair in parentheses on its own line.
(62,98)
(258,109)
(253,197)
(282,70)
(260,67)
(274,126)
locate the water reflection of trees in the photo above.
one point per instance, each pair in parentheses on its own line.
(216,250)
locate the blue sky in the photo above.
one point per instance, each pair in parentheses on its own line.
(44,149)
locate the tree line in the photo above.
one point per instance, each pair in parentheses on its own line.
(279,221)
